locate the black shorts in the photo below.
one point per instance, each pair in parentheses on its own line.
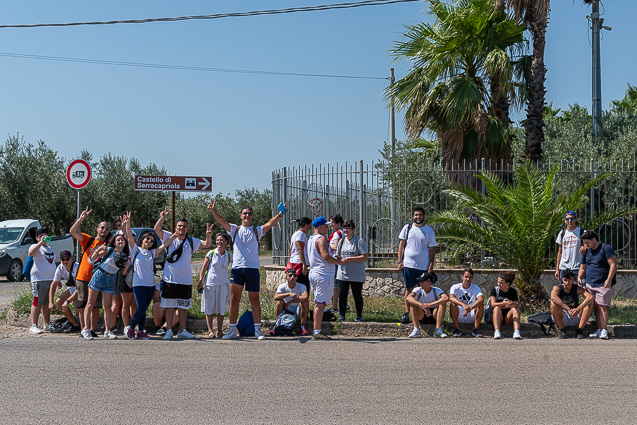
(121,284)
(82,295)
(172,291)
(431,320)
(505,311)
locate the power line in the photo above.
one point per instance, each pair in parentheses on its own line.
(182,67)
(223,15)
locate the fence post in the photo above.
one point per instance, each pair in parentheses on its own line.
(361,211)
(284,227)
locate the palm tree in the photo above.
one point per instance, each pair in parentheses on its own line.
(516,223)
(462,79)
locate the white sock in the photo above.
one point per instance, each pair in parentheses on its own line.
(317,331)
(416,328)
(232,326)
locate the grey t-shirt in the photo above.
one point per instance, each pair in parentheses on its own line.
(354,271)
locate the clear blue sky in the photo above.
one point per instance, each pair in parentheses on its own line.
(239,127)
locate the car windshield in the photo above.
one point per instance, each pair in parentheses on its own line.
(10,234)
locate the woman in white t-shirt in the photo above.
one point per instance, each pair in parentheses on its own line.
(215,299)
(298,250)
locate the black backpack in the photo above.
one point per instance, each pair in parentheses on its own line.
(542,320)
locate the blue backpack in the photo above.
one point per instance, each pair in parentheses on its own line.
(26,270)
(245,325)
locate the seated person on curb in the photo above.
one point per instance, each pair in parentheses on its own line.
(506,308)
(565,306)
(466,304)
(67,270)
(427,305)
(293,296)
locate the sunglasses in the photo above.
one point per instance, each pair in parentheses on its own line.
(291,274)
(65,259)
(570,219)
(247,213)
(347,228)
(104,227)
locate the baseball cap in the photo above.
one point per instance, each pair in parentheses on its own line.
(319,221)
(569,212)
(40,231)
(66,253)
(431,277)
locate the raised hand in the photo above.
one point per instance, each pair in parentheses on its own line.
(163,214)
(85,214)
(212,204)
(209,230)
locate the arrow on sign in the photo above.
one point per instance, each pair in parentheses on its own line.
(205,183)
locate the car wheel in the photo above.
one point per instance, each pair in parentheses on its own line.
(15,271)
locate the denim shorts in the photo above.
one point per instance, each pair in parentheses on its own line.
(103,282)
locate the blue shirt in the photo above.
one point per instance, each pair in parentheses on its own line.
(597,266)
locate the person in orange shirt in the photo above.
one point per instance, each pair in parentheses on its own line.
(85,271)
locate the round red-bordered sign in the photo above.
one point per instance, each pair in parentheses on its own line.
(78,174)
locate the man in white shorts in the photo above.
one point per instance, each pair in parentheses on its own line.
(321,272)
(467,304)
(293,296)
(566,308)
(176,291)
(67,270)
(42,275)
(427,305)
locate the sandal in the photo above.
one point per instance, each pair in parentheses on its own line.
(211,334)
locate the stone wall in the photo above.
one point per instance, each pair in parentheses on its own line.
(384,282)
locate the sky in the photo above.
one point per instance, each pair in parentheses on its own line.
(239,127)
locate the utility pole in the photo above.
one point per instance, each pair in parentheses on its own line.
(597,24)
(392,135)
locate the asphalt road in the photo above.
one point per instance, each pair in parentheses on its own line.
(63,379)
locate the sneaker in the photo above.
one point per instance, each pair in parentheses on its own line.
(497,334)
(359,319)
(115,330)
(319,336)
(231,334)
(130,333)
(516,335)
(405,318)
(341,318)
(110,335)
(476,333)
(87,334)
(595,334)
(168,334)
(580,334)
(160,331)
(457,333)
(439,333)
(259,335)
(561,334)
(603,334)
(304,331)
(142,335)
(126,328)
(93,334)
(35,330)
(185,335)
(415,333)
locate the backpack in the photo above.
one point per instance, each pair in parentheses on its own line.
(59,325)
(284,324)
(26,270)
(488,310)
(542,320)
(245,325)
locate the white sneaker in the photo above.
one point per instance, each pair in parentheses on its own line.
(35,330)
(259,335)
(86,333)
(126,328)
(497,335)
(415,333)
(596,334)
(168,334)
(231,334)
(516,335)
(603,334)
(185,335)
(438,333)
(109,335)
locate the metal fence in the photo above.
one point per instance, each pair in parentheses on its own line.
(380,197)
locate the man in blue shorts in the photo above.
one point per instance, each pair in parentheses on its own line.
(245,264)
(416,252)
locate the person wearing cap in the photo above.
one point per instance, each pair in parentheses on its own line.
(245,264)
(416,253)
(427,305)
(570,250)
(597,272)
(292,296)
(322,266)
(67,270)
(466,304)
(42,275)
(566,308)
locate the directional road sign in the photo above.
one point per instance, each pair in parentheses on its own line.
(174,183)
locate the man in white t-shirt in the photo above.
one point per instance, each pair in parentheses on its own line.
(42,275)
(427,305)
(416,253)
(176,292)
(293,296)
(467,304)
(570,250)
(245,264)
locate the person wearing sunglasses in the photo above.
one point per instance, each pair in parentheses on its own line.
(292,296)
(569,251)
(67,271)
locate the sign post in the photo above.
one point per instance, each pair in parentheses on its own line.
(173,184)
(78,174)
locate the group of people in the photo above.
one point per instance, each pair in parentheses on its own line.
(116,271)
